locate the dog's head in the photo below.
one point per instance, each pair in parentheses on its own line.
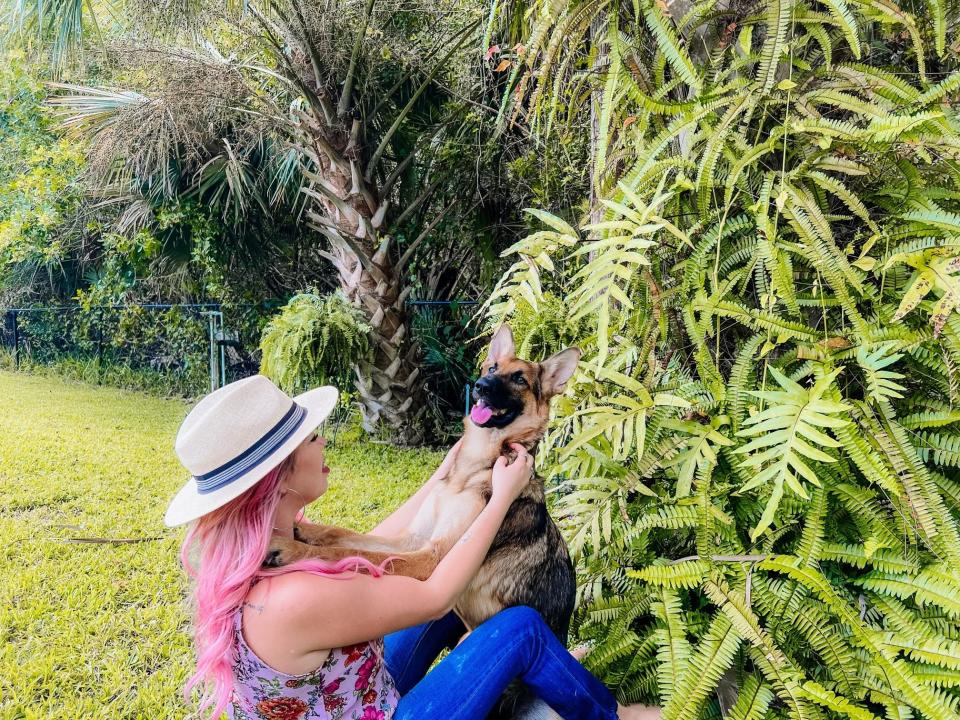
(509,387)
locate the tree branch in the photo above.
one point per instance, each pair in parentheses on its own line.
(344,105)
(408,253)
(328,113)
(416,203)
(384,141)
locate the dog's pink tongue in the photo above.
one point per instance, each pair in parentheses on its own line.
(480,414)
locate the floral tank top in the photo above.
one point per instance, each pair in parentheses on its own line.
(352,684)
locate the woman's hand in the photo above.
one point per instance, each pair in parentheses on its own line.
(509,479)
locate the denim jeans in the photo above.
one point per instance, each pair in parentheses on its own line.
(465,685)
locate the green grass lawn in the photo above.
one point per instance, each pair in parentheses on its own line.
(102,631)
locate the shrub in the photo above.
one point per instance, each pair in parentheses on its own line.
(759,452)
(314,340)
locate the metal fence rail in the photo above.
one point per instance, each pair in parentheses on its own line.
(75,331)
(222,338)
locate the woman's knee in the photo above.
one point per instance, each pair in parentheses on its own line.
(520,617)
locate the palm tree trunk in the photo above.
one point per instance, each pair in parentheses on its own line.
(388,385)
(347,210)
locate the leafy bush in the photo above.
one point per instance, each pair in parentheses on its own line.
(314,340)
(760,451)
(448,362)
(40,192)
(163,351)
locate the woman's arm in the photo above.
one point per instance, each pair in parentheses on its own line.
(363,607)
(399,520)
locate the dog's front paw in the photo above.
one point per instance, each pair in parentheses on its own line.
(282,551)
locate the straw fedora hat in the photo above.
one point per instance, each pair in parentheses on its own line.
(235,435)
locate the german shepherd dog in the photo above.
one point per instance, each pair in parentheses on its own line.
(528,562)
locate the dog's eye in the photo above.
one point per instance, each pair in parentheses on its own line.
(492,370)
(519,379)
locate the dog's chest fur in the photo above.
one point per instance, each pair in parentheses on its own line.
(458,498)
(528,562)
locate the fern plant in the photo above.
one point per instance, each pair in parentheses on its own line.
(758,456)
(314,340)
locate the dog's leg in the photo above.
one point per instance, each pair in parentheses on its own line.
(321,534)
(417,564)
(333,535)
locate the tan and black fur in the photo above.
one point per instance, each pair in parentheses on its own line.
(528,562)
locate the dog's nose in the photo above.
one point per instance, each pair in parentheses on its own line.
(483,384)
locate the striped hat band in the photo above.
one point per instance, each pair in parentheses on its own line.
(271,440)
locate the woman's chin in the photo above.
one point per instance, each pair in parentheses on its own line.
(324,477)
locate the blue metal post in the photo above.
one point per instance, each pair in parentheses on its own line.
(16,341)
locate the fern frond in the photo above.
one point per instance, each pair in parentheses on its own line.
(827,639)
(782,437)
(669,44)
(712,657)
(881,385)
(941,449)
(942,653)
(838,704)
(742,380)
(882,559)
(681,575)
(896,671)
(776,667)
(757,320)
(930,419)
(924,589)
(673,648)
(753,699)
(778,13)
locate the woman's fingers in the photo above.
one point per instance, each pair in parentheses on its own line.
(522,453)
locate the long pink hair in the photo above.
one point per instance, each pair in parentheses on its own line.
(223,552)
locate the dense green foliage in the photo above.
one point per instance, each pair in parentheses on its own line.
(241,152)
(100,631)
(39,189)
(314,340)
(759,453)
(748,217)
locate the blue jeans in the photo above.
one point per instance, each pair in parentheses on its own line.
(514,644)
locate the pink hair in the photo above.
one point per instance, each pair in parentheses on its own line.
(231,542)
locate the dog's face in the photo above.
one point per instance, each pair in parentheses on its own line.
(509,387)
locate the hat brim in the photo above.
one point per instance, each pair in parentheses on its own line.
(190,504)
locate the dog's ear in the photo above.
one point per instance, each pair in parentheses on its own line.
(501,347)
(556,370)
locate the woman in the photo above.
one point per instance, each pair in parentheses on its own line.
(303,642)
